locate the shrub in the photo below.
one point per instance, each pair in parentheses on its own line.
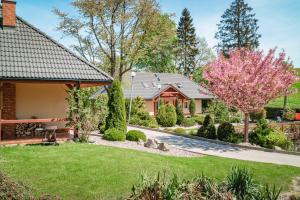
(116,117)
(227,133)
(179,112)
(208,129)
(135,135)
(166,115)
(192,108)
(219,110)
(114,134)
(240,183)
(289,114)
(256,116)
(276,138)
(179,130)
(188,122)
(199,119)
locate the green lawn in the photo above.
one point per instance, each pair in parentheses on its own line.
(293,100)
(82,171)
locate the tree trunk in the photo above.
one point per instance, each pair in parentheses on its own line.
(246,127)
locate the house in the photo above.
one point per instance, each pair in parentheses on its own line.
(167,87)
(35,72)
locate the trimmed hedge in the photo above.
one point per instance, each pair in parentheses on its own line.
(114,134)
(136,135)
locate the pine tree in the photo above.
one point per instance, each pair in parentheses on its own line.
(238,28)
(179,112)
(192,108)
(116,117)
(187,43)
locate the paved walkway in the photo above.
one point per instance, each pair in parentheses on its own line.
(209,148)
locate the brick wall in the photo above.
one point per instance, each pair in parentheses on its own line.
(8,109)
(9,13)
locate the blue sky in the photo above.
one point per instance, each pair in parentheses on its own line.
(278,19)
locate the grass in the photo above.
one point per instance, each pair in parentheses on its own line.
(293,100)
(82,171)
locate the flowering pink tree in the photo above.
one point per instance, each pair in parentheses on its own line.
(248,80)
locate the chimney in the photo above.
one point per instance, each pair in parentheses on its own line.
(191,77)
(9,18)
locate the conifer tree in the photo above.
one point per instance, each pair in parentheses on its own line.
(187,43)
(238,28)
(116,117)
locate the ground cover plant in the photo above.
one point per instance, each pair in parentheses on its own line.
(84,171)
(135,135)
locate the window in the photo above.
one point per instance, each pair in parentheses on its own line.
(186,105)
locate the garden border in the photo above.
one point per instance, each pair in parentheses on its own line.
(218,141)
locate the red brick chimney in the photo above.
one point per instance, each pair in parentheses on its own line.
(9,18)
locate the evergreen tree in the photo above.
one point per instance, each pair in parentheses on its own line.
(192,108)
(116,117)
(179,112)
(187,43)
(238,28)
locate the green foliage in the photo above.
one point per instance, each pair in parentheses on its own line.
(240,183)
(166,115)
(199,119)
(138,105)
(84,113)
(289,114)
(116,117)
(187,44)
(270,194)
(237,28)
(114,134)
(208,129)
(135,135)
(256,116)
(188,122)
(226,133)
(179,130)
(219,110)
(179,112)
(192,108)
(267,137)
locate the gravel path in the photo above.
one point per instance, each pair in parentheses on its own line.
(140,146)
(210,148)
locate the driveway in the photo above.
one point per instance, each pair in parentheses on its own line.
(227,151)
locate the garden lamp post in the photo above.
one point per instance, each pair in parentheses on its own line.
(159,87)
(130,104)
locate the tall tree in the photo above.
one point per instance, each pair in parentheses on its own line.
(238,28)
(111,33)
(187,44)
(248,80)
(159,57)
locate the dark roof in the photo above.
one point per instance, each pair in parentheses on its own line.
(145,85)
(26,53)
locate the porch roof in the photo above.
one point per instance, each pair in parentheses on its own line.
(27,53)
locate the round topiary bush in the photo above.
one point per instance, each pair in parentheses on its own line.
(166,115)
(135,135)
(114,134)
(188,122)
(225,130)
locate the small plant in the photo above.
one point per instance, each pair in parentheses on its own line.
(226,133)
(208,129)
(240,183)
(199,119)
(270,194)
(256,116)
(277,138)
(135,135)
(114,134)
(289,114)
(179,130)
(166,116)
(192,108)
(188,122)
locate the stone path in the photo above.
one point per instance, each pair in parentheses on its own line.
(209,148)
